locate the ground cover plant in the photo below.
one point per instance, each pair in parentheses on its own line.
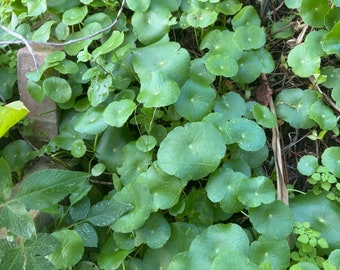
(194,134)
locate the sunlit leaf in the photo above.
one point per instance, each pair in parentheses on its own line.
(10,114)
(191,151)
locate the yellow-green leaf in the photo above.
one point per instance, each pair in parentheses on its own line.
(11,114)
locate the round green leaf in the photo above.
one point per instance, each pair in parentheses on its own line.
(140,6)
(250,37)
(74,15)
(98,169)
(313,12)
(215,240)
(195,101)
(333,76)
(91,122)
(254,159)
(231,105)
(249,68)
(238,165)
(62,31)
(307,165)
(165,189)
(70,251)
(331,160)
(322,214)
(165,57)
(221,65)
(274,220)
(249,135)
(199,17)
(58,89)
(314,41)
(304,62)
(223,186)
(275,251)
(99,89)
(234,260)
(155,232)
(139,197)
(264,116)
(230,7)
(78,148)
(293,105)
(323,115)
(199,73)
(334,258)
(253,192)
(152,25)
(17,154)
(246,16)
(191,151)
(158,90)
(221,43)
(304,266)
(146,143)
(117,112)
(265,59)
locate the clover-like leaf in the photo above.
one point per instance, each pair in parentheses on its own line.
(200,17)
(331,159)
(223,186)
(250,37)
(293,105)
(117,112)
(254,191)
(321,213)
(231,105)
(249,135)
(323,115)
(195,101)
(246,16)
(140,199)
(221,65)
(303,61)
(274,220)
(165,189)
(307,165)
(191,151)
(277,252)
(313,12)
(58,89)
(264,116)
(165,57)
(158,90)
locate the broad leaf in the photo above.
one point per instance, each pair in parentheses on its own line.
(109,45)
(58,89)
(191,151)
(330,159)
(44,188)
(231,105)
(6,183)
(10,114)
(117,112)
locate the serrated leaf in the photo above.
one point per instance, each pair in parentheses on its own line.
(44,188)
(16,219)
(42,244)
(107,212)
(88,234)
(6,183)
(10,114)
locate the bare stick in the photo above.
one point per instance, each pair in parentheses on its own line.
(23,40)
